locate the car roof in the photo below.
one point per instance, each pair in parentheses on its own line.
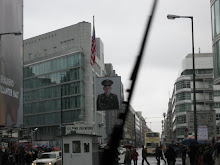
(51,153)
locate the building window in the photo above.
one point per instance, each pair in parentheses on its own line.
(217,116)
(183,96)
(183,108)
(76,147)
(86,147)
(66,148)
(183,84)
(180,131)
(217,130)
(181,119)
(217,105)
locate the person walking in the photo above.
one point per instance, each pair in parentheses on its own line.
(183,153)
(135,156)
(144,155)
(199,156)
(128,157)
(159,155)
(216,155)
(170,156)
(192,152)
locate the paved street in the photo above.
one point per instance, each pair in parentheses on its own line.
(151,159)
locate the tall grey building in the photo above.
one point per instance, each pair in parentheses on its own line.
(59,81)
(215,14)
(180,111)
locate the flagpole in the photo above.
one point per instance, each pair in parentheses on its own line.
(93,46)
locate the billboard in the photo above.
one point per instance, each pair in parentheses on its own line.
(108,93)
(11,63)
(202,132)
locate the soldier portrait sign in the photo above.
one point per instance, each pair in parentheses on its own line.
(108,93)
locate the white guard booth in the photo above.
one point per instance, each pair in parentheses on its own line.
(80,149)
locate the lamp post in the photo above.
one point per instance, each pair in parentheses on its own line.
(61,118)
(169,16)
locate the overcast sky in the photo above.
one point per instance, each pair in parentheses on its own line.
(120,24)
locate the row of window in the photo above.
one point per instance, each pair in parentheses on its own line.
(52,92)
(53,105)
(217,105)
(180,131)
(197,71)
(183,96)
(181,119)
(183,108)
(34,41)
(52,65)
(216,93)
(76,147)
(52,118)
(52,79)
(182,84)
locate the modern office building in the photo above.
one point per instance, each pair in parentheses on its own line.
(215,14)
(181,103)
(59,82)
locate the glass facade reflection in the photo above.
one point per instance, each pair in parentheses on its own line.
(43,83)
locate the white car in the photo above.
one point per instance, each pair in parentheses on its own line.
(121,150)
(48,158)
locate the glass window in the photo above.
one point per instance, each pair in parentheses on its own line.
(183,84)
(181,119)
(66,148)
(183,96)
(86,147)
(76,147)
(183,108)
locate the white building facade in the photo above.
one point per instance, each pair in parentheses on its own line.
(182,98)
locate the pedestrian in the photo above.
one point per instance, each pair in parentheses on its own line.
(135,156)
(5,157)
(183,153)
(192,152)
(159,155)
(128,157)
(144,155)
(207,156)
(216,155)
(170,156)
(199,156)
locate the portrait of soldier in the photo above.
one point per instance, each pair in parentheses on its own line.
(107,100)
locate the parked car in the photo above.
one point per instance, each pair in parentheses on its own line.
(49,158)
(121,150)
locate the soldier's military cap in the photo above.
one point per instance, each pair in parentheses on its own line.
(107,82)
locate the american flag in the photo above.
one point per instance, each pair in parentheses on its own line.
(93,47)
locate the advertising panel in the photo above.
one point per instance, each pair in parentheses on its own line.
(202,133)
(108,93)
(11,63)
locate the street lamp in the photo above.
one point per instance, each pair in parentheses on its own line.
(169,16)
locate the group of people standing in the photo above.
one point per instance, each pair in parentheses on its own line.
(132,154)
(204,154)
